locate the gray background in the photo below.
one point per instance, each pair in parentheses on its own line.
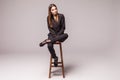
(93,27)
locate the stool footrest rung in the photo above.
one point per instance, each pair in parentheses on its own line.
(57,66)
(58,62)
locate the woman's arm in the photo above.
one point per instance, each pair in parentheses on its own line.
(50,29)
(62,25)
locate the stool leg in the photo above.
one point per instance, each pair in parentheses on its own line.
(62,64)
(62,60)
(50,67)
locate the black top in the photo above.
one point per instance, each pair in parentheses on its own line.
(57,27)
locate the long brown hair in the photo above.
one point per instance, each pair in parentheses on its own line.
(50,16)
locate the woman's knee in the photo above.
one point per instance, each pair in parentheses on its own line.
(66,35)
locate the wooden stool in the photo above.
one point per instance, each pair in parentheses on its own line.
(61,62)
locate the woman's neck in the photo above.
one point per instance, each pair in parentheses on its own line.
(56,17)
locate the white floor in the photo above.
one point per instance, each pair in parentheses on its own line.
(85,66)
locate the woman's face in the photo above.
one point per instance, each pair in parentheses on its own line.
(54,10)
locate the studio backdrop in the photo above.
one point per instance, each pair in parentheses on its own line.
(92,25)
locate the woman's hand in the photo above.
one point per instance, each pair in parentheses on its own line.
(54,35)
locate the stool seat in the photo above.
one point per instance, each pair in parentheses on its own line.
(61,61)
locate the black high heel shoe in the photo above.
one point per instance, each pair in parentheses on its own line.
(43,43)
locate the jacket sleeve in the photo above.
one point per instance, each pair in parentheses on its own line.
(50,29)
(62,25)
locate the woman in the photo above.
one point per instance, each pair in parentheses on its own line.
(56,27)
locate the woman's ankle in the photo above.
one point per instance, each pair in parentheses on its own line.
(48,40)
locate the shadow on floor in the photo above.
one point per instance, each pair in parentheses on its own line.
(68,68)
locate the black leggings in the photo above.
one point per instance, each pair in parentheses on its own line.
(53,39)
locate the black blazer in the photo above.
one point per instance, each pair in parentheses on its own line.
(57,27)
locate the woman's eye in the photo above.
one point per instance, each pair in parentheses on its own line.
(54,9)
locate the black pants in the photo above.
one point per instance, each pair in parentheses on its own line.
(53,39)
